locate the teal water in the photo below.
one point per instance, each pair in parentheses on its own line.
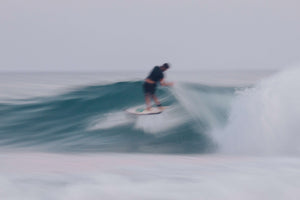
(68,122)
(66,136)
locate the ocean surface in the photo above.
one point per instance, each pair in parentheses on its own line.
(227,135)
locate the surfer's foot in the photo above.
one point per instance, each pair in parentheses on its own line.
(149,108)
(159,106)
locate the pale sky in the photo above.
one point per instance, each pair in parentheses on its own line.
(106,35)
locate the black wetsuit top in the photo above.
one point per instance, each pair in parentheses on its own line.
(156,75)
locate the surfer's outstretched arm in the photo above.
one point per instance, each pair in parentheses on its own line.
(164,83)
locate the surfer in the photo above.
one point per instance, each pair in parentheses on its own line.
(150,83)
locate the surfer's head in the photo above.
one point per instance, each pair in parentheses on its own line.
(165,66)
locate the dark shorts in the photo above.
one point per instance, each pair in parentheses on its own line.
(149,88)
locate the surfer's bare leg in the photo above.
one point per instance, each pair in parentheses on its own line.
(148,101)
(155,100)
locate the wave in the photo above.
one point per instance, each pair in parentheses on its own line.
(264,119)
(259,119)
(92,119)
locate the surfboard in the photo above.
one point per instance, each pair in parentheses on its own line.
(143,111)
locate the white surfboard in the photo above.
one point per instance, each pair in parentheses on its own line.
(144,111)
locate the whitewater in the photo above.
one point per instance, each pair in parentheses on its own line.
(227,135)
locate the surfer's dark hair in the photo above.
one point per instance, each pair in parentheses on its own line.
(166,65)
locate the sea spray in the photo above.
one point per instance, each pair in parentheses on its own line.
(264,119)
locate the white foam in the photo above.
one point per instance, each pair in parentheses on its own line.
(37,176)
(265,119)
(110,120)
(152,124)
